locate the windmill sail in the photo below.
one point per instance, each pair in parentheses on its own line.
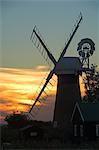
(62,55)
(71,36)
(47,80)
(39,42)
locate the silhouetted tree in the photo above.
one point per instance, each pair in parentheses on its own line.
(16,120)
(92,84)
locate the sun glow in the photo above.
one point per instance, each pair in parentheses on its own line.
(82,86)
(20,87)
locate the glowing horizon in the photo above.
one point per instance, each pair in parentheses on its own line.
(20,87)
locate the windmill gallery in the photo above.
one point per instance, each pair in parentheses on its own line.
(71,115)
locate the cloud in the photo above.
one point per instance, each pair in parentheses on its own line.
(82,86)
(20,87)
(42,68)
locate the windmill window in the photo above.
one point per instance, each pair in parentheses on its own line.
(75,130)
(97,130)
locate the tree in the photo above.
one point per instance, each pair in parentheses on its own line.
(17,120)
(92,84)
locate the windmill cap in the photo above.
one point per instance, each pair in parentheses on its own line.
(68,65)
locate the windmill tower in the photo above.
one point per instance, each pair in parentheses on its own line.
(67,70)
(68,90)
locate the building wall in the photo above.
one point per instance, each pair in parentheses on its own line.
(86,131)
(90,130)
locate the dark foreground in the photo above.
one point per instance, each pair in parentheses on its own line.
(49,145)
(55,144)
(11,139)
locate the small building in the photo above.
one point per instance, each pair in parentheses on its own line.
(85,119)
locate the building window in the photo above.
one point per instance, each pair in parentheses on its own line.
(55,124)
(33,134)
(75,130)
(81,130)
(97,130)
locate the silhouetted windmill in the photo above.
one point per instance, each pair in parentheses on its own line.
(67,71)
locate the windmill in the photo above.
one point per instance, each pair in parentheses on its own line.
(67,70)
(86,48)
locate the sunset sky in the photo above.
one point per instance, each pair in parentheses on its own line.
(19,88)
(22,67)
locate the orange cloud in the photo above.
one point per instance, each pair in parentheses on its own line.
(20,87)
(82,86)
